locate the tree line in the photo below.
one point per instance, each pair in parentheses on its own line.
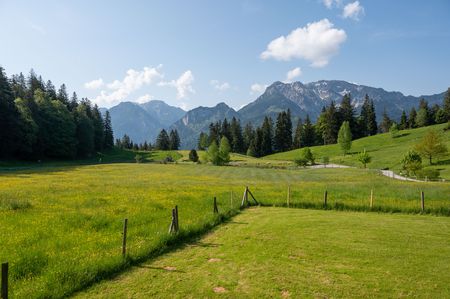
(334,124)
(163,142)
(37,121)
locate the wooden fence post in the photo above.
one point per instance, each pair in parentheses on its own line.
(216,210)
(4,289)
(231,198)
(288,195)
(371,198)
(325,197)
(124,240)
(177,224)
(422,201)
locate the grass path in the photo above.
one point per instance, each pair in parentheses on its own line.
(275,252)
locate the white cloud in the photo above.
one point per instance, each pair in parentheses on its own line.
(221,86)
(292,74)
(353,10)
(316,42)
(144,99)
(257,88)
(132,81)
(329,3)
(94,84)
(183,84)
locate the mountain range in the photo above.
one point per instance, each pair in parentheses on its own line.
(144,121)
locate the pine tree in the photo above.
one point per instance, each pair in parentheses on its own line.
(423,114)
(308,134)
(345,137)
(412,118)
(224,150)
(84,131)
(403,121)
(99,133)
(174,140)
(162,141)
(237,140)
(248,135)
(267,133)
(62,95)
(297,143)
(9,118)
(386,123)
(28,129)
(372,127)
(203,141)
(225,130)
(329,124)
(214,132)
(347,113)
(283,132)
(50,90)
(108,132)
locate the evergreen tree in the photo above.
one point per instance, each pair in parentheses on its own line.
(403,121)
(372,127)
(237,140)
(9,118)
(99,133)
(214,132)
(329,124)
(212,154)
(308,134)
(108,132)
(73,103)
(440,117)
(28,129)
(84,131)
(345,137)
(248,135)
(386,123)
(193,156)
(267,133)
(50,90)
(297,143)
(174,140)
(62,95)
(423,114)
(225,129)
(283,132)
(347,113)
(162,141)
(412,118)
(19,87)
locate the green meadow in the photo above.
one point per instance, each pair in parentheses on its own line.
(281,253)
(386,152)
(62,225)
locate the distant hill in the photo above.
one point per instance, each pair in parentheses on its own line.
(144,121)
(197,120)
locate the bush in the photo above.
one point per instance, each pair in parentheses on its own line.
(364,158)
(139,158)
(430,174)
(325,160)
(411,162)
(301,162)
(193,156)
(168,159)
(394,130)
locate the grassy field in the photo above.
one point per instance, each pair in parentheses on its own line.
(386,151)
(61,226)
(280,253)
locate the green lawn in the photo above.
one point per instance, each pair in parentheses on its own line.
(278,253)
(386,151)
(61,226)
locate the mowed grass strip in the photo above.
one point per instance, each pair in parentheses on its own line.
(275,252)
(62,226)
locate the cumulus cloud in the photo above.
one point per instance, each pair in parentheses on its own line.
(317,42)
(183,84)
(119,90)
(353,11)
(257,88)
(94,84)
(221,86)
(292,74)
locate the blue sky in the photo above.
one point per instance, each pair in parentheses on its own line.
(191,53)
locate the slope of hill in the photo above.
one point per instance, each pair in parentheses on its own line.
(165,114)
(386,151)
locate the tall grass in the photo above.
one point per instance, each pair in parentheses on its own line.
(69,235)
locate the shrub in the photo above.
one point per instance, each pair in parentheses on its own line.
(301,162)
(411,162)
(168,159)
(325,160)
(394,130)
(193,156)
(364,158)
(139,158)
(431,174)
